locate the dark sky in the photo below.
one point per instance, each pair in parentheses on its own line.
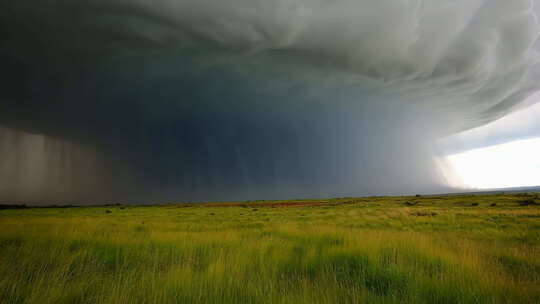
(157,101)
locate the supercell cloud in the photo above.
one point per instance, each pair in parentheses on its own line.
(145,101)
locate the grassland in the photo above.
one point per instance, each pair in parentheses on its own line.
(448,249)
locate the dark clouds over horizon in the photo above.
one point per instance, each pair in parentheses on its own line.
(164,100)
(521,124)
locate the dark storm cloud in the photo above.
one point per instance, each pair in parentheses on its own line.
(176,100)
(521,124)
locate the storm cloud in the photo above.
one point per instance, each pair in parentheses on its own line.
(145,101)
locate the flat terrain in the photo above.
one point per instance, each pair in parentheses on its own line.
(445,249)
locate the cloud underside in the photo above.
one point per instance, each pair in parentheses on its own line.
(182,100)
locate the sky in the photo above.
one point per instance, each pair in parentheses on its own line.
(508,165)
(523,123)
(177,100)
(502,154)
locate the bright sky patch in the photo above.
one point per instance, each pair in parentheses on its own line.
(513,164)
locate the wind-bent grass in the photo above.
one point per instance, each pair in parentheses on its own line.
(370,250)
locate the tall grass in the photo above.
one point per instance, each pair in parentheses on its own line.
(379,250)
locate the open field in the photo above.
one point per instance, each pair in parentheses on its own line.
(447,249)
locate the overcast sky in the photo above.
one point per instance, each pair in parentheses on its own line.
(168,100)
(501,154)
(521,124)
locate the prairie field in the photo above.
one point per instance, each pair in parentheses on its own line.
(428,249)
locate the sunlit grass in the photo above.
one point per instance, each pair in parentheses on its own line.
(385,250)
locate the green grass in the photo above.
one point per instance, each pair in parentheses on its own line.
(366,250)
